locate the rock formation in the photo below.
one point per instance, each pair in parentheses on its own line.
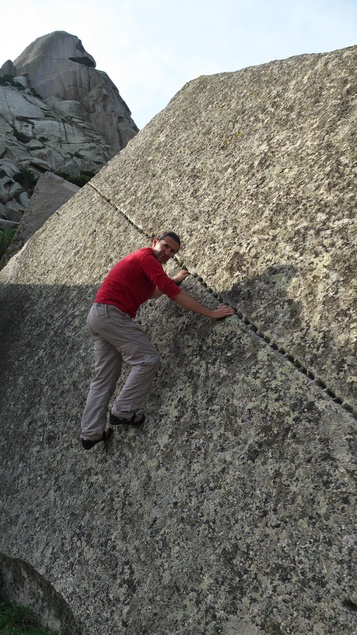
(60,70)
(50,193)
(19,580)
(58,113)
(232,511)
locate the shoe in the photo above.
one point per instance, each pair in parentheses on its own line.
(88,444)
(135,420)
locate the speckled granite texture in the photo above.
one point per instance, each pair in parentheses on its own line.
(21,581)
(232,511)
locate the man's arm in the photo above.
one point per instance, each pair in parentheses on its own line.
(157,294)
(179,278)
(186,300)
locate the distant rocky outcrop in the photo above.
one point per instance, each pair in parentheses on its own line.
(61,71)
(58,113)
(233,510)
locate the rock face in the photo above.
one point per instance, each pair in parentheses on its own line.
(19,580)
(57,113)
(51,192)
(233,510)
(59,69)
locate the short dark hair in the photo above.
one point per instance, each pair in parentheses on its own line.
(172,235)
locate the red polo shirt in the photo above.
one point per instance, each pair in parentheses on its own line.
(133,280)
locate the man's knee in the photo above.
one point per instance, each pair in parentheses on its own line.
(153,359)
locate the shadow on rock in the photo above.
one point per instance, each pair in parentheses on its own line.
(265,300)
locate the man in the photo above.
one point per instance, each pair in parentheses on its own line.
(131,282)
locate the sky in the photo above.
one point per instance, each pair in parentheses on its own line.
(151,48)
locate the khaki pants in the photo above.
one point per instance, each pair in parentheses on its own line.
(116,337)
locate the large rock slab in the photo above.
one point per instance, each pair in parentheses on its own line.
(51,192)
(262,162)
(233,509)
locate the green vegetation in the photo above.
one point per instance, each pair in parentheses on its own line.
(19,620)
(6,237)
(9,79)
(27,179)
(20,136)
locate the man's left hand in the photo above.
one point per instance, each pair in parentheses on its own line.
(182,275)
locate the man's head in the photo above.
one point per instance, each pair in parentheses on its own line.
(166,246)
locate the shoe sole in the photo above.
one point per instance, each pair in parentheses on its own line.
(87,444)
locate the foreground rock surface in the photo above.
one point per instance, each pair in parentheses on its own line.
(233,509)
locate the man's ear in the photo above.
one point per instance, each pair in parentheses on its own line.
(155,241)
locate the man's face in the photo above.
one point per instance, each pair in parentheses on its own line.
(165,249)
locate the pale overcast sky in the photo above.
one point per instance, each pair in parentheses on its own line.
(151,48)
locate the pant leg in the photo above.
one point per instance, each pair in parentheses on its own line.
(144,361)
(108,364)
(117,336)
(137,351)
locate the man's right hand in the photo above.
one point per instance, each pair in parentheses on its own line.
(221,312)
(186,300)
